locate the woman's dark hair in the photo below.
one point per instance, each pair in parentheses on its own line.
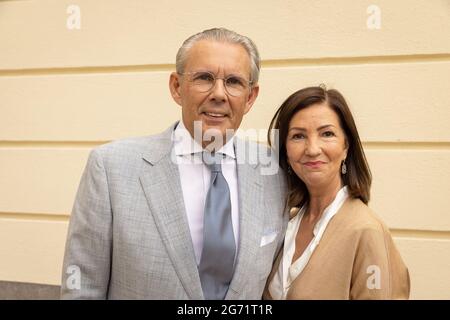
(358,178)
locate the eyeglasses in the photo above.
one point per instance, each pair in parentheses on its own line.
(205,81)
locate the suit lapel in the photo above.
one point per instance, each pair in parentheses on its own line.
(161,183)
(250,221)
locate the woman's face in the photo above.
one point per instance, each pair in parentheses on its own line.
(316,146)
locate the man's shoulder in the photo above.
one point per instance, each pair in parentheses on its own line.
(128,149)
(251,148)
(264,160)
(248,142)
(125,145)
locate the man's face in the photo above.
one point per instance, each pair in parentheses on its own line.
(216,109)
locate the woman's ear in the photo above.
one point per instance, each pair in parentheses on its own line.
(175,87)
(347,145)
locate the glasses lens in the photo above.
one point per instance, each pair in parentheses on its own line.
(204,81)
(236,86)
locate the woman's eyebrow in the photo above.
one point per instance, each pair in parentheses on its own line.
(324,126)
(297,128)
(318,129)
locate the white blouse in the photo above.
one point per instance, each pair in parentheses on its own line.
(287,272)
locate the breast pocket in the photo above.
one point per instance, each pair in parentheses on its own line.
(266,253)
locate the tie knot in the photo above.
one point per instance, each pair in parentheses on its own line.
(213,161)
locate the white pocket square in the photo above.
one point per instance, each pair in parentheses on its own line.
(268,238)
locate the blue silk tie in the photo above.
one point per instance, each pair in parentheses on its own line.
(217,260)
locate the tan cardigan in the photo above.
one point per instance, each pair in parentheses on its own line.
(340,267)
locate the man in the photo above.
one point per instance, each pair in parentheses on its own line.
(182,214)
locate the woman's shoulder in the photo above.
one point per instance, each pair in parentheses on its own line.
(359,217)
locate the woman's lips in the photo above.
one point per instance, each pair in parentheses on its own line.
(313,164)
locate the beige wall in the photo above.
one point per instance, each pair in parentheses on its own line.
(63,92)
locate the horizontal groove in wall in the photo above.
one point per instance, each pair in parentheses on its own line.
(50,144)
(369,145)
(420,234)
(88,70)
(397,233)
(14,0)
(374,145)
(331,61)
(35,216)
(271,63)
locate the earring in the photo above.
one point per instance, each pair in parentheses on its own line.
(289,170)
(343,167)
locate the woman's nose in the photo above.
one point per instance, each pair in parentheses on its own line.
(312,147)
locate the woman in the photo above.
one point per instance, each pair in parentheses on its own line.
(335,247)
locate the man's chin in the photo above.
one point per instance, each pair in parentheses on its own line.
(216,136)
(221,131)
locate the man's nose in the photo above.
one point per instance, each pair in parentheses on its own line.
(218,91)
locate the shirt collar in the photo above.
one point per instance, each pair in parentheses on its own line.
(328,213)
(184,144)
(331,210)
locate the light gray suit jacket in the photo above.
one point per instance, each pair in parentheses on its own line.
(129,237)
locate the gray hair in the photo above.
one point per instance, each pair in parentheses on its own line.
(221,35)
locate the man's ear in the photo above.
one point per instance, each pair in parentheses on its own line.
(175,87)
(251,98)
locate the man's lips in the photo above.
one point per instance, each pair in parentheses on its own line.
(214,114)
